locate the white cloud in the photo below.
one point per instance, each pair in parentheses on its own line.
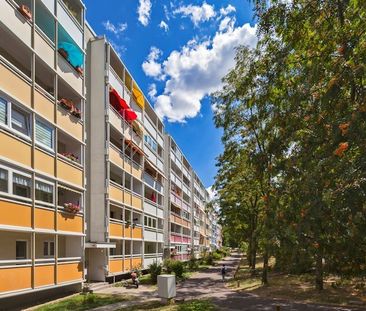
(116,29)
(226,11)
(227,23)
(151,67)
(196,70)
(152,91)
(197,14)
(144,11)
(164,25)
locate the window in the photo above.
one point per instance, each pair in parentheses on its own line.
(44,134)
(3,111)
(21,185)
(48,248)
(112,251)
(44,192)
(20,120)
(111,214)
(145,221)
(154,223)
(151,143)
(21,250)
(3,180)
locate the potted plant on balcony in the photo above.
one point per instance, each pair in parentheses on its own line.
(25,11)
(72,208)
(79,70)
(70,156)
(63,53)
(128,224)
(66,104)
(75,111)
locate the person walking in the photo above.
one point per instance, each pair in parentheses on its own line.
(223,272)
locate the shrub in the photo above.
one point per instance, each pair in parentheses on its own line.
(208,259)
(178,268)
(193,263)
(155,270)
(168,263)
(216,255)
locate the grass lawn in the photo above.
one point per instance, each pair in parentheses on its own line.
(194,305)
(298,287)
(83,302)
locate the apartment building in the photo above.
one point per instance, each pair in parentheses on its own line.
(125,193)
(42,143)
(91,186)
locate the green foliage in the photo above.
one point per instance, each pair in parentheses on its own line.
(197,305)
(178,268)
(168,265)
(193,263)
(155,270)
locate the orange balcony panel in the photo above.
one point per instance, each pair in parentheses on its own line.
(136,202)
(15,149)
(44,162)
(127,265)
(69,173)
(115,193)
(15,86)
(127,198)
(15,278)
(69,222)
(136,263)
(44,275)
(15,214)
(185,223)
(69,123)
(115,157)
(44,219)
(116,265)
(127,166)
(127,232)
(44,106)
(137,233)
(115,230)
(137,171)
(68,272)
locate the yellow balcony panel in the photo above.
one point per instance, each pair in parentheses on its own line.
(44,219)
(127,232)
(127,265)
(137,233)
(137,171)
(69,222)
(17,23)
(185,223)
(44,275)
(44,106)
(68,272)
(136,202)
(116,265)
(115,156)
(44,162)
(136,263)
(69,173)
(69,123)
(69,74)
(15,149)
(127,166)
(15,278)
(127,198)
(44,50)
(15,214)
(115,193)
(15,86)
(115,230)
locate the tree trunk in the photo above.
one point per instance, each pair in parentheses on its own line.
(319,278)
(265,268)
(249,253)
(253,256)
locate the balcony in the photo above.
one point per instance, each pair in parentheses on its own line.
(186,206)
(69,149)
(136,201)
(14,277)
(69,123)
(20,214)
(44,219)
(69,271)
(44,274)
(69,172)
(175,199)
(153,183)
(115,229)
(136,232)
(175,238)
(69,222)
(175,179)
(116,156)
(116,192)
(44,105)
(15,149)
(136,170)
(116,265)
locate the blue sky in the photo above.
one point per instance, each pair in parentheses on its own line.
(178,51)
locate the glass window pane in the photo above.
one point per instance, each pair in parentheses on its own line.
(52,248)
(3,111)
(45,248)
(3,180)
(20,120)
(44,134)
(21,250)
(21,186)
(44,192)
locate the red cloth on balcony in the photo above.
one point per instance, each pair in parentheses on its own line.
(121,106)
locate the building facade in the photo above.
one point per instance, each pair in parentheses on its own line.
(91,186)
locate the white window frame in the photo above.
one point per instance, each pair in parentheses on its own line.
(49,249)
(53,192)
(11,171)
(8,126)
(26,249)
(39,144)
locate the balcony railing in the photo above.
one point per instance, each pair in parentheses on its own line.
(153,183)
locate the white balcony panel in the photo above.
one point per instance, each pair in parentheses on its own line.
(15,21)
(150,128)
(186,173)
(127,95)
(160,165)
(69,25)
(150,155)
(186,190)
(115,120)
(50,5)
(137,109)
(115,82)
(150,235)
(160,237)
(44,50)
(150,208)
(160,141)
(160,213)
(69,74)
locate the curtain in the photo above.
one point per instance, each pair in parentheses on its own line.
(44,187)
(21,180)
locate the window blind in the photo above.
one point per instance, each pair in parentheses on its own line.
(3,111)
(44,134)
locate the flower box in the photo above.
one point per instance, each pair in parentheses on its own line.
(72,208)
(25,11)
(66,103)
(76,112)
(70,156)
(79,70)
(63,53)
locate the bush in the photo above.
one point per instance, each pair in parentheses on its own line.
(155,270)
(193,263)
(178,268)
(217,255)
(168,263)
